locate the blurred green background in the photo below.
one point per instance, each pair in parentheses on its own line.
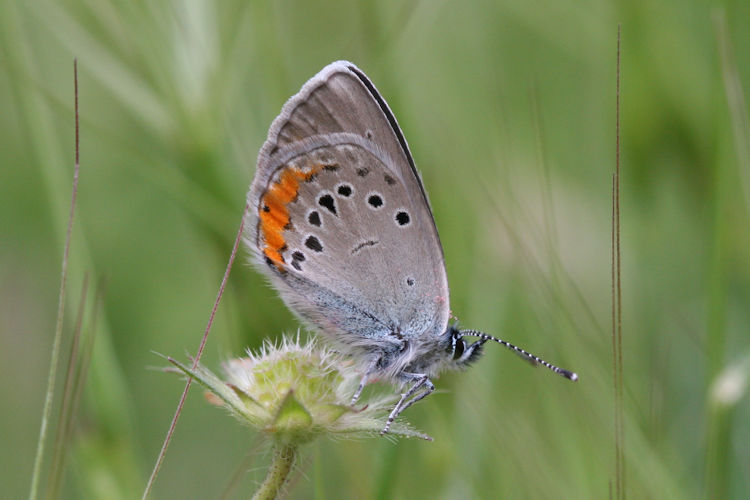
(509,108)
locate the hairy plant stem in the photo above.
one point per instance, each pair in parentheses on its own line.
(278,471)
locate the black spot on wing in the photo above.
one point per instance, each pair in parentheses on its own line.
(297,258)
(402,218)
(314,218)
(327,201)
(375,200)
(313,243)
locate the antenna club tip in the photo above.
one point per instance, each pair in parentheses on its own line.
(573,376)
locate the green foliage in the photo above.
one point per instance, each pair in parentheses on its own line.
(509,110)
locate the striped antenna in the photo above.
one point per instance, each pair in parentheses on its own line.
(483,337)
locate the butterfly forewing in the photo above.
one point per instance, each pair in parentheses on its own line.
(339,218)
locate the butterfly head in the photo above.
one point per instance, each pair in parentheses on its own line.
(461,352)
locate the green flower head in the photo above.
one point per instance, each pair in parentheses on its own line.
(296,392)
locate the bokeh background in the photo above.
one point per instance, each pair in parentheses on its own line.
(509,109)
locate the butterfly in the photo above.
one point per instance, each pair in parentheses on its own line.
(340,222)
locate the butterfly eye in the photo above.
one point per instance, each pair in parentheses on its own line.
(458,348)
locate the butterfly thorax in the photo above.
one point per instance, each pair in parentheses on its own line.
(428,356)
(423,355)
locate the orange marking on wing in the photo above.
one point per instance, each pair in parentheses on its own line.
(274,255)
(273,212)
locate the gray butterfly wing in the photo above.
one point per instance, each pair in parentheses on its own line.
(339,218)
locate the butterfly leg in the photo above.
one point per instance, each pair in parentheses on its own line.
(361,387)
(363,382)
(420,382)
